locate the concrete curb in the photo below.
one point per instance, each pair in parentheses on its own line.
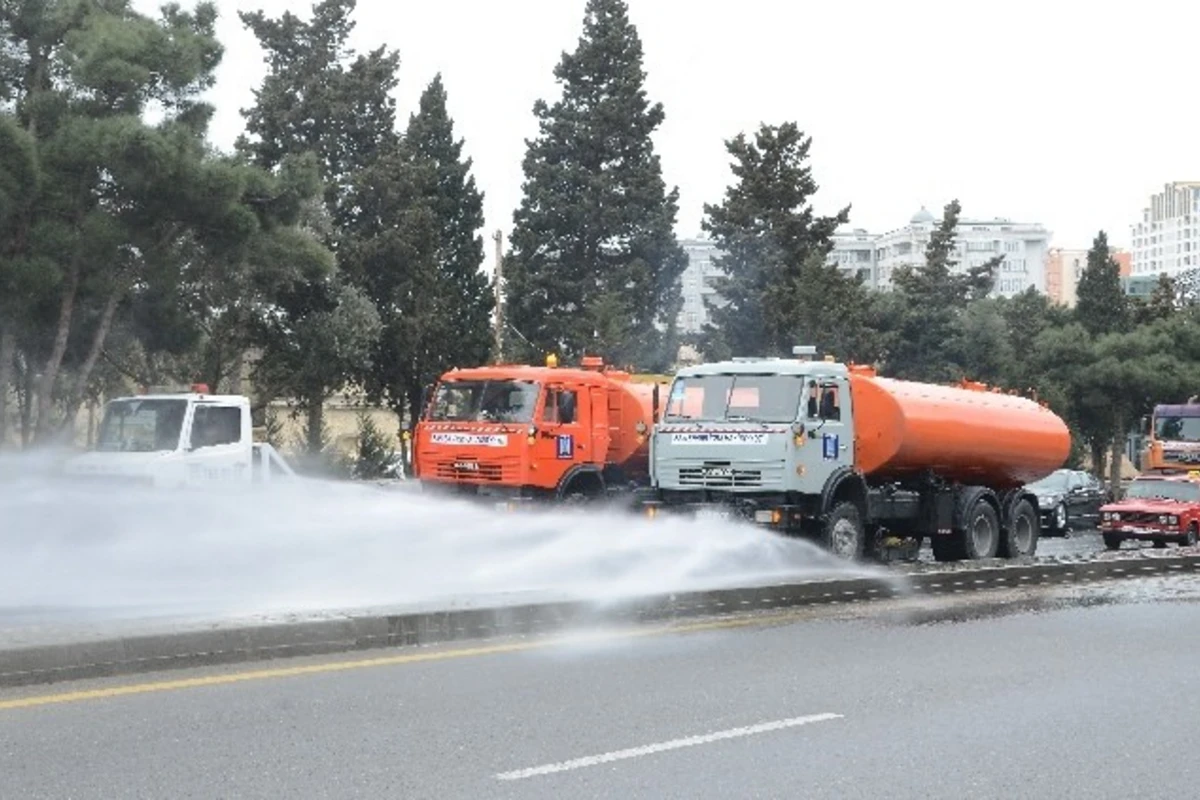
(196,648)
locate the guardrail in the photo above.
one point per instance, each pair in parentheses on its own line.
(136,654)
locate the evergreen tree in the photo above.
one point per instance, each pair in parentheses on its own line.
(1161,304)
(420,254)
(1102,305)
(321,98)
(776,289)
(933,299)
(108,199)
(594,265)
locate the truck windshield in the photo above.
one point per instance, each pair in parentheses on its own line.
(1183,491)
(141,426)
(732,398)
(484,401)
(1177,429)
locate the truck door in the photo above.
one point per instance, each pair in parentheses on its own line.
(219,449)
(829,425)
(563,442)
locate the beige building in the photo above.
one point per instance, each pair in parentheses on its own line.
(1065,266)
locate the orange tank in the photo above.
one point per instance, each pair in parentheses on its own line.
(630,409)
(961,433)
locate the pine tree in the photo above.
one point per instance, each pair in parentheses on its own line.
(106,201)
(933,298)
(420,255)
(321,98)
(777,290)
(594,265)
(1102,305)
(1162,303)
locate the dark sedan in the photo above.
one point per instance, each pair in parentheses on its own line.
(1069,499)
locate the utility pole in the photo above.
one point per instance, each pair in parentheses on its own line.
(498,287)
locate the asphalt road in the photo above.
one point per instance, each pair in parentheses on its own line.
(1082,693)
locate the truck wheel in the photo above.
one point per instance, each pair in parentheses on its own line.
(981,535)
(1112,542)
(582,491)
(844,535)
(1021,538)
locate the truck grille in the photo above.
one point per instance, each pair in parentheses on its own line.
(485,471)
(717,476)
(727,475)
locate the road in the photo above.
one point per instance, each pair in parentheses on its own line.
(1082,692)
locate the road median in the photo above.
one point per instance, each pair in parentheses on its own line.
(237,643)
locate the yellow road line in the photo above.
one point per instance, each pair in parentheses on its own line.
(366,663)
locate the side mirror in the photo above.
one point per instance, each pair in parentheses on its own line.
(1146,425)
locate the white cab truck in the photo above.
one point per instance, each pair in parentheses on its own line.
(177,440)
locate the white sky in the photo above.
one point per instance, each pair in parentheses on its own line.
(1049,111)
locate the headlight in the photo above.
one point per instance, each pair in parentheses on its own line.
(1172,519)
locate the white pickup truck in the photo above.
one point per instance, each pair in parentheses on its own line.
(178,440)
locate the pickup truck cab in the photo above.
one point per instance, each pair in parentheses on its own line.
(1157,508)
(176,440)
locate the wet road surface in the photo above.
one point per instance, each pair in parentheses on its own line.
(1088,692)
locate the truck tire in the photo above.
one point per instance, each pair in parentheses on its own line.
(844,534)
(1112,542)
(1021,538)
(981,531)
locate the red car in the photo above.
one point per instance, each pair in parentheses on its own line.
(1156,508)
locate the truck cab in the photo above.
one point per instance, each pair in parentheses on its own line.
(1173,437)
(174,440)
(520,432)
(752,433)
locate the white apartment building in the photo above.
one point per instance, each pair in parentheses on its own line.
(1023,245)
(1168,237)
(697,281)
(877,256)
(854,252)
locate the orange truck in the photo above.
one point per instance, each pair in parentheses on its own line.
(1173,442)
(518,433)
(833,451)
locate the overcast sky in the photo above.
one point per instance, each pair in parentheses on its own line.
(1048,111)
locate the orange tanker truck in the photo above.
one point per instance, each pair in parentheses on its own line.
(521,433)
(835,452)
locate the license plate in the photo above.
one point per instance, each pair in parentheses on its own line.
(712,513)
(466,466)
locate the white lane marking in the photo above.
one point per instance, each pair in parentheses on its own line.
(674,744)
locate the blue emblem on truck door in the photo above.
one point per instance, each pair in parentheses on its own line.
(829,447)
(566,446)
